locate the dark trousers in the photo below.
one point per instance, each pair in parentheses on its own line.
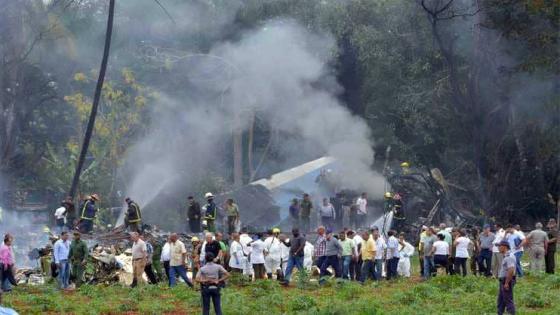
(213,294)
(368,270)
(7,276)
(304,224)
(328,222)
(150,274)
(86,226)
(505,298)
(353,220)
(231,223)
(421,260)
(485,262)
(194,225)
(460,265)
(325,262)
(166,268)
(356,270)
(392,265)
(550,261)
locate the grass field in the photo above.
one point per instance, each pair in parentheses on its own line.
(534,294)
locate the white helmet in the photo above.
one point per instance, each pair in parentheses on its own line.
(208,195)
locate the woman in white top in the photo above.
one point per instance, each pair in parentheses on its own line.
(461,252)
(257,257)
(237,260)
(440,251)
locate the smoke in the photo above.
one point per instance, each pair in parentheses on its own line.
(281,73)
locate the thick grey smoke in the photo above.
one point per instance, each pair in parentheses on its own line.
(281,73)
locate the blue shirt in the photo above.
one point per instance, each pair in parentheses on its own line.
(61,250)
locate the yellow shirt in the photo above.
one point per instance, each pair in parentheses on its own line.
(421,244)
(368,249)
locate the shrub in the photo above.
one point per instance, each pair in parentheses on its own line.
(301,303)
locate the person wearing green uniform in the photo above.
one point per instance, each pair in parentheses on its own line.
(305,213)
(78,258)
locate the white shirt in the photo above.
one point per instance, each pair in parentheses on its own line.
(362,205)
(327,211)
(272,248)
(237,259)
(284,251)
(357,240)
(245,239)
(441,248)
(511,240)
(165,252)
(59,213)
(522,237)
(499,237)
(380,245)
(257,252)
(392,247)
(462,248)
(308,255)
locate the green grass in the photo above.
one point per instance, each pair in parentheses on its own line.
(534,294)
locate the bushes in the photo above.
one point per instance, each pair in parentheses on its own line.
(301,303)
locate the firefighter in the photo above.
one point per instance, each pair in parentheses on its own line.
(87,214)
(405,168)
(210,212)
(133,216)
(398,211)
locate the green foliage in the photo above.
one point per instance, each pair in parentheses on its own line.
(301,303)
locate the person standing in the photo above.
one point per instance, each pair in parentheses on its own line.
(78,258)
(516,241)
(506,277)
(296,245)
(485,243)
(7,264)
(88,214)
(195,254)
(70,212)
(210,245)
(232,211)
(210,212)
(338,209)
(165,256)
(294,213)
(133,216)
(368,257)
(552,244)
(392,255)
(348,254)
(306,207)
(139,256)
(237,257)
(332,251)
(60,219)
(440,252)
(211,278)
(177,262)
(273,254)
(257,256)
(148,270)
(361,214)
(193,215)
(327,214)
(60,253)
(406,250)
(537,241)
(462,252)
(421,249)
(427,244)
(496,256)
(381,247)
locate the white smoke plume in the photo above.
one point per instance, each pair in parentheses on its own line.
(280,72)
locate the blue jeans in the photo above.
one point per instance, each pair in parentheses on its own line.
(293,261)
(378,269)
(518,268)
(64,274)
(346,260)
(485,262)
(182,272)
(368,270)
(428,266)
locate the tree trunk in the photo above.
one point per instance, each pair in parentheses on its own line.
(97,96)
(250,140)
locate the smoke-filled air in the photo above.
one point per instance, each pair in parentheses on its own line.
(365,155)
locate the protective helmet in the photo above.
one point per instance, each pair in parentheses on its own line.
(275,230)
(208,195)
(388,195)
(95,197)
(195,239)
(405,164)
(46,229)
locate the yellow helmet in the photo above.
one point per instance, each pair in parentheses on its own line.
(388,195)
(405,164)
(46,229)
(195,239)
(275,230)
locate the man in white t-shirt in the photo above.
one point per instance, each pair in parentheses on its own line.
(361,203)
(273,253)
(60,218)
(356,264)
(381,246)
(237,257)
(257,257)
(461,252)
